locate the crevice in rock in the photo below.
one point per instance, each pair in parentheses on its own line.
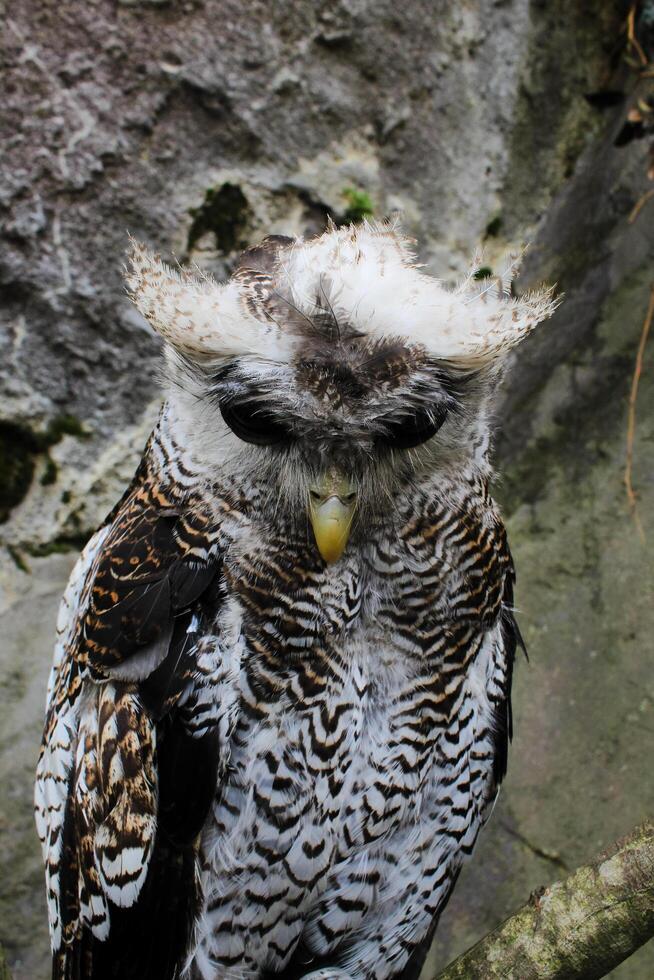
(551,856)
(224,213)
(316,212)
(19,447)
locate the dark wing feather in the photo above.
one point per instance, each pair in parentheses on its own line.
(187,770)
(161,689)
(512,639)
(154,584)
(157,560)
(149,939)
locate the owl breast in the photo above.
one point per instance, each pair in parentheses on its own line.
(356,715)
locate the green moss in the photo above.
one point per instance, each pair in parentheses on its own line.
(19,446)
(18,559)
(58,546)
(359,205)
(224,212)
(50,473)
(484,272)
(4,969)
(494,227)
(65,425)
(17,449)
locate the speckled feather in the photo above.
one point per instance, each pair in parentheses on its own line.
(256,763)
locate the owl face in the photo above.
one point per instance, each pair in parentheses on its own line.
(342,429)
(332,374)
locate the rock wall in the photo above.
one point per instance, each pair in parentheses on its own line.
(198,127)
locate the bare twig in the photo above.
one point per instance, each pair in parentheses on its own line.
(580,928)
(639,205)
(631,35)
(631,423)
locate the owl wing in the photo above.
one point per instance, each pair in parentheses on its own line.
(124,782)
(511,641)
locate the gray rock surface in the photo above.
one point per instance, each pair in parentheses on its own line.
(199,127)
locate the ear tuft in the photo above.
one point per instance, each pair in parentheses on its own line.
(496,320)
(193,313)
(377,287)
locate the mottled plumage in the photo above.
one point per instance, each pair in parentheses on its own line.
(279,708)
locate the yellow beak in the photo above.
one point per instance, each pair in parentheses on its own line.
(332,502)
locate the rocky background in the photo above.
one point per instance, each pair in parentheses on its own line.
(201,125)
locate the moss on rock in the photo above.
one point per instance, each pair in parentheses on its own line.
(19,448)
(223,213)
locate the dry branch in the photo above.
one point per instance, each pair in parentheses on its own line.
(631,423)
(631,35)
(640,204)
(579,928)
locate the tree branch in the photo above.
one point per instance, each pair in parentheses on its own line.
(579,928)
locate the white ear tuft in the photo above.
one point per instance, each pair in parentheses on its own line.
(374,285)
(194,314)
(490,320)
(377,288)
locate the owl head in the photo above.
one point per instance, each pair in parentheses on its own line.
(333,374)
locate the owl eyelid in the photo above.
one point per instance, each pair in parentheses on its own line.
(413,429)
(254,423)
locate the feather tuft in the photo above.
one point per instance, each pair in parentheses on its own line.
(366,274)
(198,317)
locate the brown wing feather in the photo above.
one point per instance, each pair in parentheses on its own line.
(159,557)
(139,785)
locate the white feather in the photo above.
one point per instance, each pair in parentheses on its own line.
(196,315)
(368,275)
(373,282)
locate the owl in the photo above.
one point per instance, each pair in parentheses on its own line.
(279,708)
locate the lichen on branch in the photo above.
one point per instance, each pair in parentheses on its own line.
(580,928)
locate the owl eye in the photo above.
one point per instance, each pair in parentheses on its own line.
(409,431)
(254,423)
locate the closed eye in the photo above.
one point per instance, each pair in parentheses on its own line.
(253,422)
(413,428)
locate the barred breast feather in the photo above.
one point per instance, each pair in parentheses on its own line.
(255,764)
(279,708)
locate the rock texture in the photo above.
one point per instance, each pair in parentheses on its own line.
(200,126)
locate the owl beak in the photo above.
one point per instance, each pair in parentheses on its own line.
(332,502)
